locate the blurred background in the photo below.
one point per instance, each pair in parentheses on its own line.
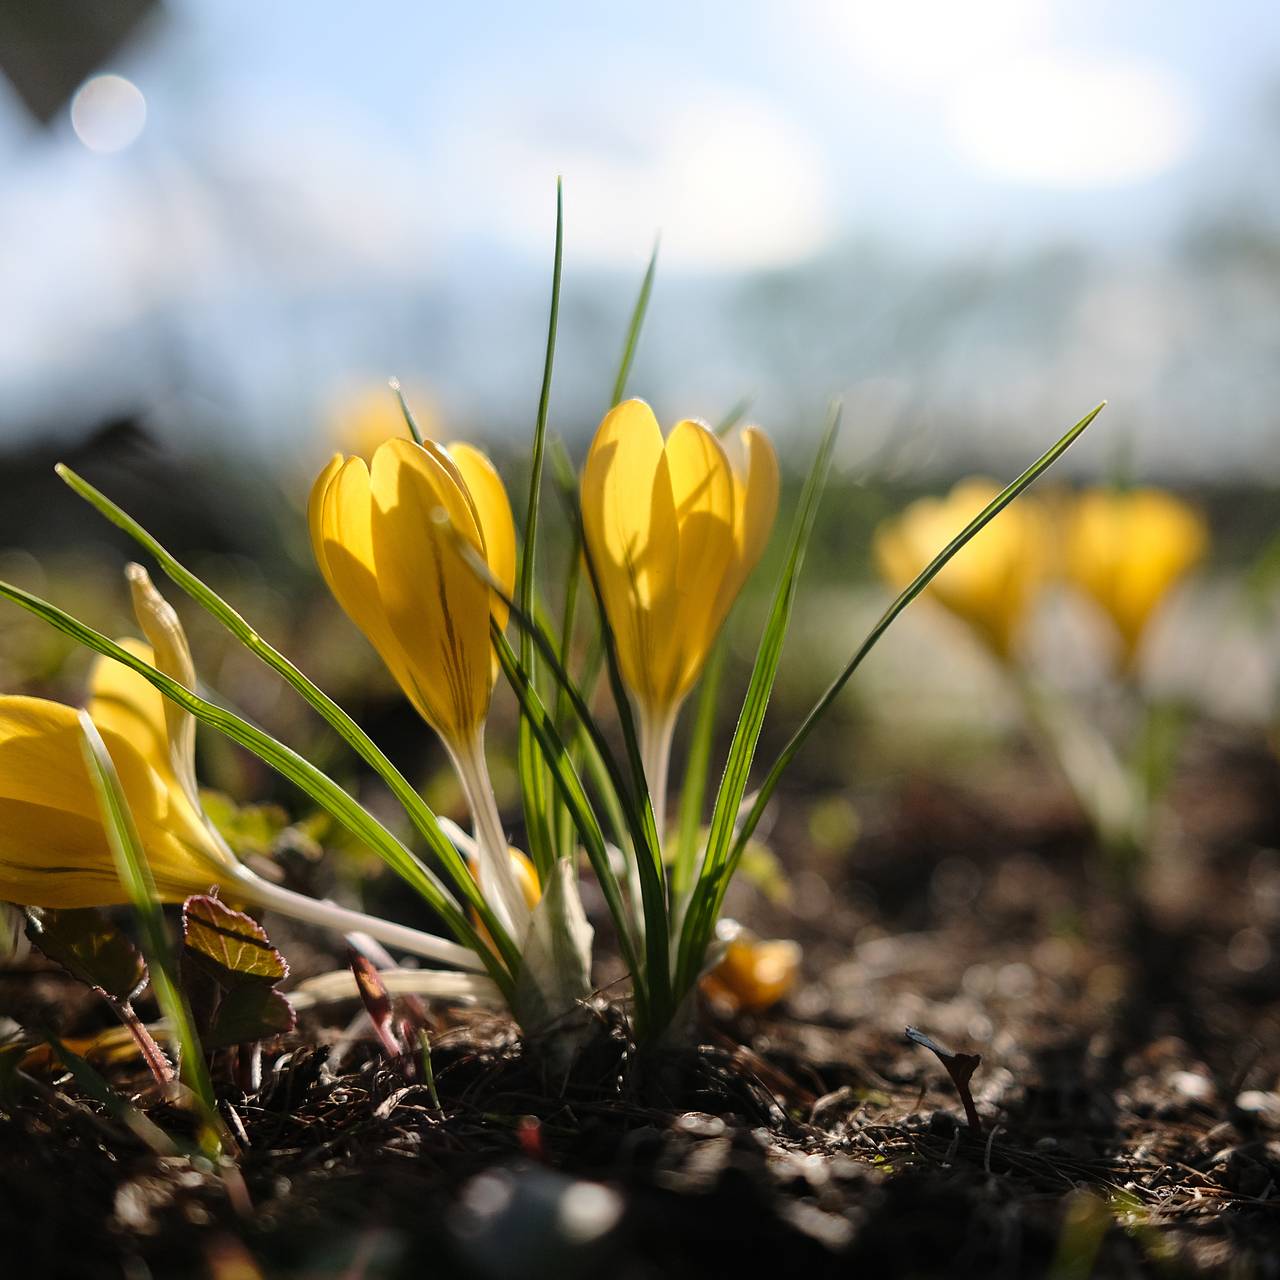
(224,225)
(973,222)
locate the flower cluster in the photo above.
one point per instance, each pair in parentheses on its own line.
(1125,550)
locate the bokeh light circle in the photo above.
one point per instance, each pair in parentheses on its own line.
(108,113)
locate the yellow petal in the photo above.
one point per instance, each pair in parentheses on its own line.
(340,517)
(435,606)
(315,514)
(53,849)
(629,523)
(122,702)
(994,580)
(756,485)
(172,655)
(493,514)
(758,498)
(1128,550)
(754,975)
(703,493)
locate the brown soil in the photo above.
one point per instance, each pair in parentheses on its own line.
(1128,1090)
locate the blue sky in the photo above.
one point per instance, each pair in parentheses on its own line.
(307,167)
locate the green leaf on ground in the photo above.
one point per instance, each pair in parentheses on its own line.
(91,949)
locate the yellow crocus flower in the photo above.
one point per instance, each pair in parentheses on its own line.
(380,538)
(673,528)
(54,850)
(385,538)
(1127,549)
(993,581)
(753,975)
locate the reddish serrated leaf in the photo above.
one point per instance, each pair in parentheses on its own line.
(230,970)
(213,931)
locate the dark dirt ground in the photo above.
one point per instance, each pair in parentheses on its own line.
(1129,1088)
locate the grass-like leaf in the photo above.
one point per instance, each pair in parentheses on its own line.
(656,973)
(699,922)
(634,328)
(534,780)
(135,875)
(922,580)
(694,790)
(290,765)
(409,420)
(420,814)
(575,798)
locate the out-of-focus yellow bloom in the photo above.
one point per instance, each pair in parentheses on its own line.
(1128,549)
(382,541)
(526,877)
(53,847)
(674,528)
(368,416)
(993,581)
(753,975)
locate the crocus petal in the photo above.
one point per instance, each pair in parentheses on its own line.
(171,655)
(340,516)
(1128,550)
(122,702)
(629,521)
(673,530)
(53,848)
(994,580)
(435,606)
(493,514)
(702,489)
(757,498)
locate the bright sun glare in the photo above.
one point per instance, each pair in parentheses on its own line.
(1065,122)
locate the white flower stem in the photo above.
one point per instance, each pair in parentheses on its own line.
(329,915)
(494,871)
(656,732)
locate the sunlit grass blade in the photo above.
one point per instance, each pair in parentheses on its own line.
(648,851)
(646,848)
(410,421)
(734,416)
(635,800)
(699,922)
(561,827)
(534,780)
(698,765)
(135,875)
(574,795)
(87,1077)
(595,743)
(922,580)
(342,807)
(420,814)
(634,328)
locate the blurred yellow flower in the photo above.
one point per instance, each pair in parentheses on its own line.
(367,416)
(674,528)
(1127,549)
(753,975)
(992,583)
(53,847)
(381,540)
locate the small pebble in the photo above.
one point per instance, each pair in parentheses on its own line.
(697,1124)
